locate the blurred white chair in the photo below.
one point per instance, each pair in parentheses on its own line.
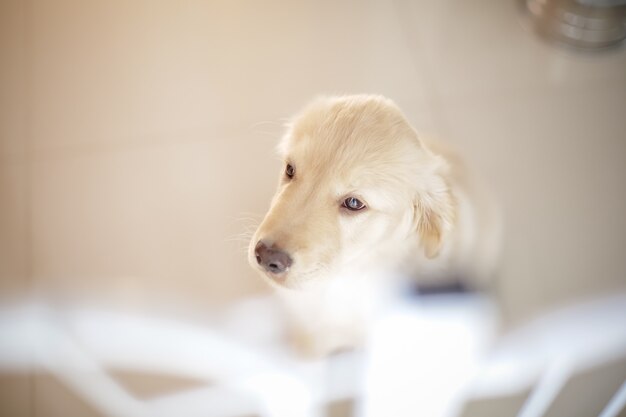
(426,356)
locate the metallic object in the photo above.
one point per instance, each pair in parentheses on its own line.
(585,24)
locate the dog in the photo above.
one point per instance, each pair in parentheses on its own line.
(361,198)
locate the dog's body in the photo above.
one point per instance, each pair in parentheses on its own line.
(363,199)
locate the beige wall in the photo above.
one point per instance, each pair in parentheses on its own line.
(136,137)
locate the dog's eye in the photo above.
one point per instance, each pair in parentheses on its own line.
(290,171)
(353,204)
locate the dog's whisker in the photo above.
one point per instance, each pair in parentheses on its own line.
(265,123)
(243,238)
(246,235)
(249,220)
(246,218)
(236,239)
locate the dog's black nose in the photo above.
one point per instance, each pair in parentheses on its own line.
(271,258)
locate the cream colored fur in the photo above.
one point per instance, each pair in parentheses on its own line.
(426,216)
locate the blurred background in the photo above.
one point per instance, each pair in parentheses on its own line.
(137,145)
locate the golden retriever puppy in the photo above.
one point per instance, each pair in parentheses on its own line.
(361,200)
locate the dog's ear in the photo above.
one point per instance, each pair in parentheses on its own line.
(433,214)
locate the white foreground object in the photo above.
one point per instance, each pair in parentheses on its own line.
(425,356)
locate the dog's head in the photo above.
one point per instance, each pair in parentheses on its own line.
(355,179)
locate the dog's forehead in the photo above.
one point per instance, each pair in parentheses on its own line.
(338,133)
(349,118)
